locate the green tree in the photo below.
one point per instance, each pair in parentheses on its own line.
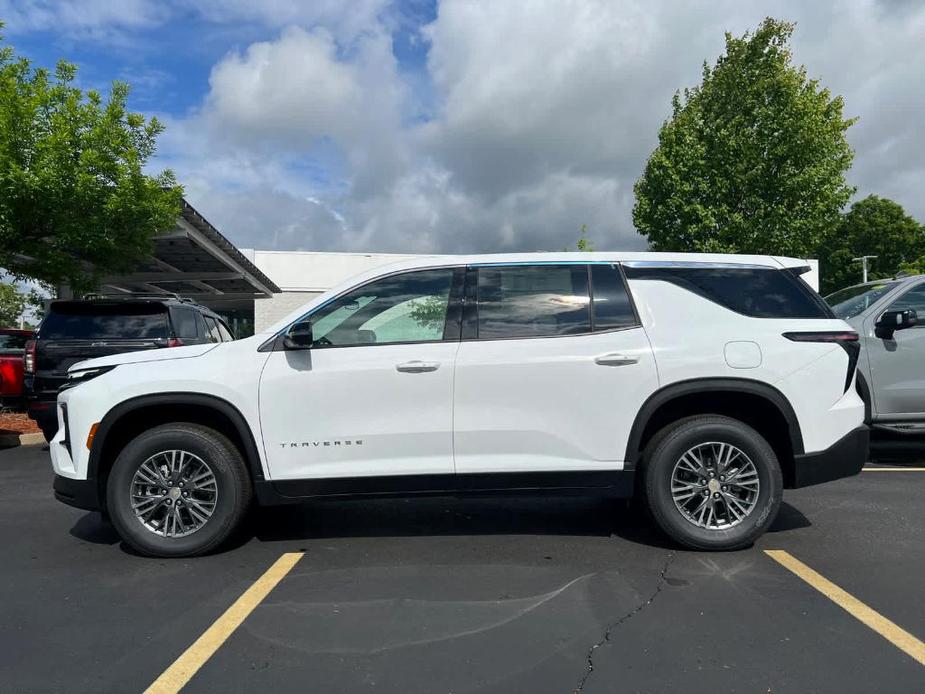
(751,161)
(874,226)
(584,244)
(12,304)
(75,202)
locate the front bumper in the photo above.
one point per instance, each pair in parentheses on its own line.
(844,458)
(83,494)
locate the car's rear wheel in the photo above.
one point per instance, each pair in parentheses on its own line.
(712,482)
(178,490)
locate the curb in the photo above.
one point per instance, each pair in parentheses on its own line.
(12,440)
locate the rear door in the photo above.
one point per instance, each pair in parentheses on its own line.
(897,365)
(546,379)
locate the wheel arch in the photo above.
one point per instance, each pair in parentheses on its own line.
(753,402)
(130,417)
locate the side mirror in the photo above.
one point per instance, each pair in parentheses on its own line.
(299,336)
(891,321)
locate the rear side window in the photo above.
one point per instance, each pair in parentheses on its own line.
(185,324)
(612,306)
(13,343)
(105,322)
(533,301)
(755,292)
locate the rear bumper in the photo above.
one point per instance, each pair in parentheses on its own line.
(844,458)
(83,494)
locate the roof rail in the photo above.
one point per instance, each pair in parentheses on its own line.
(135,296)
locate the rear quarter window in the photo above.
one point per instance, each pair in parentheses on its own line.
(755,292)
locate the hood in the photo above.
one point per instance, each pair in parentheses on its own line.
(145,356)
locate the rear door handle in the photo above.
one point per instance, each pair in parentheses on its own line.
(416,366)
(616,359)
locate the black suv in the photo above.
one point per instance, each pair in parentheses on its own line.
(98,326)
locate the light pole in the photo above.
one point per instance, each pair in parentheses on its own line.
(863,261)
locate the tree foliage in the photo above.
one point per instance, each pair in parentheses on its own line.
(874,226)
(75,202)
(751,161)
(12,304)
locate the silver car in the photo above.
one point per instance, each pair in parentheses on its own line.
(891,368)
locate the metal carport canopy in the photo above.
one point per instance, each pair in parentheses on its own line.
(194,260)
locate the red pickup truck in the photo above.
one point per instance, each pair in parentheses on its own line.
(12,350)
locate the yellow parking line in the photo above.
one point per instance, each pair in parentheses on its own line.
(893,469)
(177,675)
(893,633)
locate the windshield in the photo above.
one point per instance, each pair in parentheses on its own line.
(853,301)
(105,322)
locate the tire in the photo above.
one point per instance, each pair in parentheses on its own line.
(48,430)
(139,476)
(754,488)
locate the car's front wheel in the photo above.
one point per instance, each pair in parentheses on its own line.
(712,482)
(178,490)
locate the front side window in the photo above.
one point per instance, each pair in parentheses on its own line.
(213,329)
(914,299)
(410,307)
(533,301)
(755,291)
(225,332)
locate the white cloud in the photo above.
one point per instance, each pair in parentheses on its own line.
(544,115)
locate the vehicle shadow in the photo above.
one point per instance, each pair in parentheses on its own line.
(442,516)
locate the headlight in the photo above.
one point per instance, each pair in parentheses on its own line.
(75,378)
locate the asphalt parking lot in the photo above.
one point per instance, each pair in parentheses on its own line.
(466,595)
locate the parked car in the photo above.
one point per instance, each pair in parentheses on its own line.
(704,383)
(74,331)
(12,350)
(891,378)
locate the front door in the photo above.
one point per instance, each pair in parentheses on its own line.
(546,380)
(897,365)
(374,394)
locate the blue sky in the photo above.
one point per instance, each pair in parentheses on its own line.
(456,126)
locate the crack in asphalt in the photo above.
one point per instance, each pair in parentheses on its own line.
(608,631)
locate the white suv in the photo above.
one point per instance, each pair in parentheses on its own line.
(703,383)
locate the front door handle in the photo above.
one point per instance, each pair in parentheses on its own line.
(417,366)
(616,359)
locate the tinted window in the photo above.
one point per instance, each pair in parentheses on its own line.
(13,343)
(411,307)
(105,322)
(756,292)
(853,301)
(213,329)
(914,299)
(225,332)
(533,301)
(185,324)
(612,307)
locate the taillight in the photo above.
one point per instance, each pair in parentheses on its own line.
(174,342)
(839,336)
(28,359)
(846,339)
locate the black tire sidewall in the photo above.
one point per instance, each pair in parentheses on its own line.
(227,466)
(686,434)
